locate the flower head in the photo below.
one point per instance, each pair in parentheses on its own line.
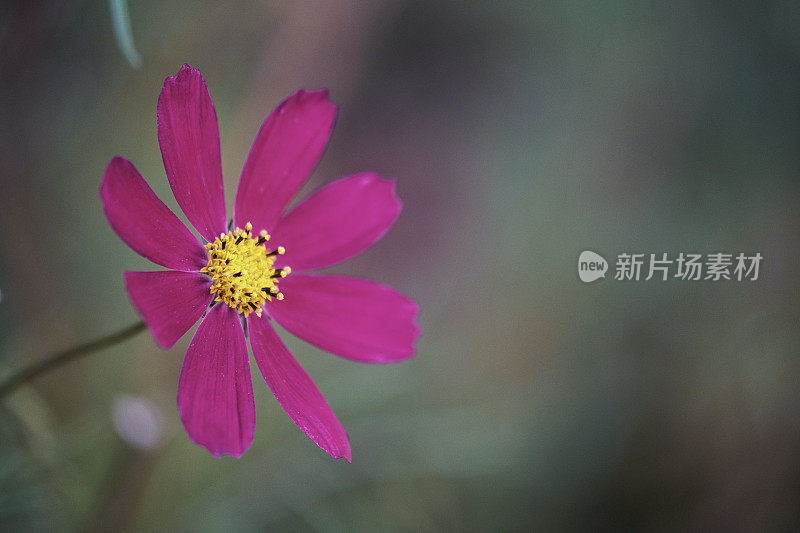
(240,275)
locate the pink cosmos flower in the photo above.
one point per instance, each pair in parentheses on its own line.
(237,277)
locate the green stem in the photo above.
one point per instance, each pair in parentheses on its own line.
(48,363)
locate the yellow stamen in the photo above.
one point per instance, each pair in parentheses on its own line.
(241,268)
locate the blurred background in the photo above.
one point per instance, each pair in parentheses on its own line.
(520,134)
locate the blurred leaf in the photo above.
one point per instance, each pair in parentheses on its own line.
(122,31)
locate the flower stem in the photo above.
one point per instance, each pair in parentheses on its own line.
(53,361)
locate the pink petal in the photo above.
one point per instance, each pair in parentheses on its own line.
(338,222)
(353,318)
(189,140)
(144,223)
(295,391)
(170,302)
(283,155)
(215,393)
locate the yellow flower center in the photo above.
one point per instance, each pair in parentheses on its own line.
(241,267)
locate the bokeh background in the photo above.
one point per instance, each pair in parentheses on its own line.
(520,134)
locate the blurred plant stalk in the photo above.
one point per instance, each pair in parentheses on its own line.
(51,362)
